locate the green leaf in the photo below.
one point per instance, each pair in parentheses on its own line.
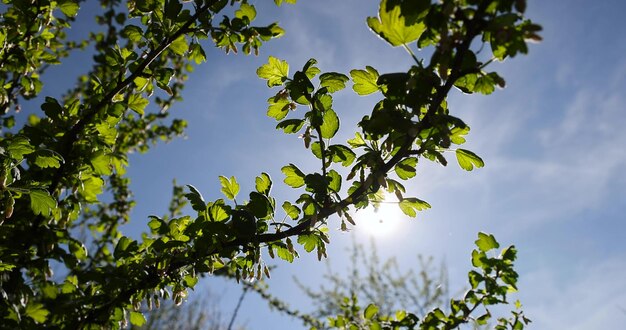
(137,103)
(179,46)
(333,81)
(310,70)
(260,206)
(486,242)
(393,26)
(330,124)
(477,258)
(365,80)
(19,146)
(358,141)
(101,163)
(41,202)
(410,205)
(291,126)
(48,158)
(335,181)
(284,253)
(137,319)
(230,188)
(405,169)
(37,312)
(263,183)
(342,154)
(457,134)
(280,2)
(218,211)
(278,108)
(246,10)
(275,71)
(370,311)
(468,160)
(121,246)
(195,198)
(293,176)
(78,249)
(291,210)
(91,187)
(69,7)
(475,278)
(309,241)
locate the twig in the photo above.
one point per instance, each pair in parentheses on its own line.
(232,319)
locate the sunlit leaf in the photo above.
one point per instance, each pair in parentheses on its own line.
(309,241)
(263,183)
(486,242)
(37,312)
(393,26)
(246,10)
(365,80)
(291,210)
(230,187)
(137,319)
(137,103)
(41,202)
(370,311)
(405,169)
(19,146)
(179,46)
(196,199)
(468,160)
(330,124)
(293,176)
(409,206)
(278,108)
(69,7)
(333,81)
(291,126)
(275,71)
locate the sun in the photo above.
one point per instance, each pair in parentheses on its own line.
(380,221)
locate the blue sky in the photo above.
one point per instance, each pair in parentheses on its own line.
(553,142)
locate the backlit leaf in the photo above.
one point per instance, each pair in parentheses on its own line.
(246,10)
(293,176)
(409,206)
(333,81)
(195,198)
(263,183)
(330,124)
(365,80)
(275,71)
(370,311)
(37,312)
(137,319)
(19,146)
(291,210)
(46,159)
(309,241)
(179,46)
(69,7)
(41,202)
(486,242)
(393,26)
(405,169)
(335,181)
(137,103)
(468,160)
(230,187)
(291,126)
(342,154)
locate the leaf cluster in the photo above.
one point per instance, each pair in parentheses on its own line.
(64,170)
